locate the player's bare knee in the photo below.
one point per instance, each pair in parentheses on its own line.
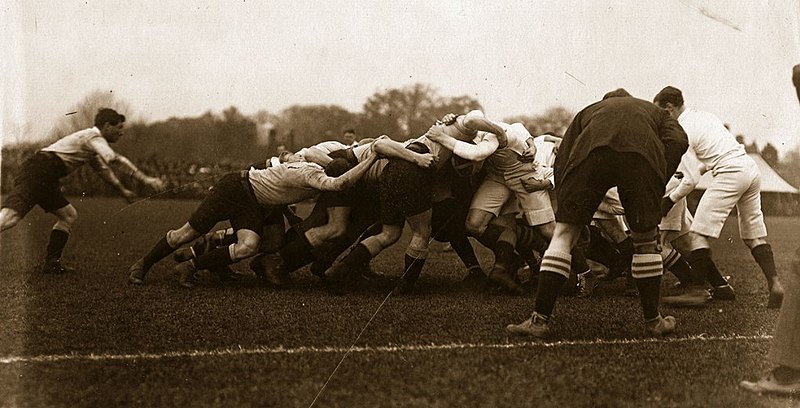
(752,243)
(247,247)
(67,214)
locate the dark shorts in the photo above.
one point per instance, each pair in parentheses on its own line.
(405,190)
(232,199)
(38,184)
(640,189)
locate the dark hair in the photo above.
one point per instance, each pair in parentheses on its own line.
(617,93)
(669,94)
(337,167)
(110,116)
(349,130)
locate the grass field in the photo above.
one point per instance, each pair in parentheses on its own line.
(90,339)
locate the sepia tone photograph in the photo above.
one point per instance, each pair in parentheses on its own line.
(458,203)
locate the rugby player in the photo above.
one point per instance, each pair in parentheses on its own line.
(622,141)
(406,195)
(736,183)
(38,181)
(240,197)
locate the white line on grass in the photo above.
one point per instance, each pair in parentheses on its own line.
(372,349)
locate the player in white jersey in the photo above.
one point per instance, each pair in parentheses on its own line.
(241,198)
(406,195)
(515,181)
(736,183)
(38,182)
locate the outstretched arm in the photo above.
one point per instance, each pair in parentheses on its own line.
(122,164)
(475,152)
(105,173)
(477,121)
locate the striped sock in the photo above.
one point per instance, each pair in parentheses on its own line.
(646,270)
(553,272)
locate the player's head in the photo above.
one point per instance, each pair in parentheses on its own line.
(110,124)
(617,93)
(348,136)
(671,99)
(289,157)
(337,167)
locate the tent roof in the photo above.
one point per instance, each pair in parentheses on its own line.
(771,182)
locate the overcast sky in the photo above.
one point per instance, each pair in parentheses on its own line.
(182,58)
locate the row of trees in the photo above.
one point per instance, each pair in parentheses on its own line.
(231,136)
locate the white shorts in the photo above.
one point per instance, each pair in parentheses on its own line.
(497,198)
(610,207)
(678,219)
(736,183)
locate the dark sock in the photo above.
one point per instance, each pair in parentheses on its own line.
(550,284)
(160,251)
(530,238)
(358,256)
(503,253)
(680,268)
(464,250)
(649,295)
(490,236)
(413,268)
(700,261)
(578,265)
(217,257)
(297,253)
(58,240)
(766,260)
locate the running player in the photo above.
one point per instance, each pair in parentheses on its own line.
(38,182)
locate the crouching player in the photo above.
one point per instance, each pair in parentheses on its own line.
(240,197)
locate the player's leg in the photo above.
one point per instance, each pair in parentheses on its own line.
(226,198)
(579,194)
(640,191)
(416,252)
(59,235)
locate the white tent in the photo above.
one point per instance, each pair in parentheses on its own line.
(771,182)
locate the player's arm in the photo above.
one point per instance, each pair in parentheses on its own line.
(314,155)
(122,164)
(674,140)
(389,148)
(346,180)
(105,173)
(477,121)
(475,152)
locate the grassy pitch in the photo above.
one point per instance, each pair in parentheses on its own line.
(90,339)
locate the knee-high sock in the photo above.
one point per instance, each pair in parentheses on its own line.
(530,238)
(220,256)
(413,268)
(601,249)
(553,273)
(464,250)
(296,253)
(360,255)
(55,247)
(700,261)
(766,260)
(646,270)
(490,236)
(160,251)
(675,263)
